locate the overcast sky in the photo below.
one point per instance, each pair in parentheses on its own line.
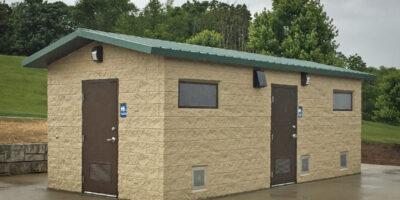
(370,28)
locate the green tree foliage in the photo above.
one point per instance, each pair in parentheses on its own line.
(101,14)
(180,23)
(388,102)
(231,20)
(207,38)
(5,28)
(156,21)
(35,24)
(369,87)
(295,29)
(355,62)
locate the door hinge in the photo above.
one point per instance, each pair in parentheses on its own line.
(83,97)
(83,138)
(272,174)
(272,136)
(272,99)
(83,179)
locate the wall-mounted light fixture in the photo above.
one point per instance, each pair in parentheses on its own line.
(97,54)
(259,79)
(305,79)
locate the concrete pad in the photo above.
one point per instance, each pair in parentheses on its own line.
(375,182)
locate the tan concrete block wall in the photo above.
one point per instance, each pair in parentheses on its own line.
(140,134)
(324,133)
(233,141)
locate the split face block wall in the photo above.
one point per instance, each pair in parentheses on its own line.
(159,143)
(233,141)
(140,143)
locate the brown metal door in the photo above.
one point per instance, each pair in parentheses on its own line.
(283,134)
(100,136)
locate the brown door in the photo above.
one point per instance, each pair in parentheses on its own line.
(100,136)
(283,134)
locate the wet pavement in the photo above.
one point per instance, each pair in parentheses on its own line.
(375,182)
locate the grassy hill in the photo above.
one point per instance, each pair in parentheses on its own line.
(374,132)
(23,91)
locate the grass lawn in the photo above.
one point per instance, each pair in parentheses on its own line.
(374,132)
(23,91)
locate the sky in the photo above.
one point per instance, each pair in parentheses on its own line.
(370,28)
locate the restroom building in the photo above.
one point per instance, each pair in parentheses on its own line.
(139,118)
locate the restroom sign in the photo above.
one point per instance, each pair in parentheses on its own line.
(300,112)
(123,110)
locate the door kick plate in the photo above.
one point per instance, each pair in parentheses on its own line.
(283,184)
(100,194)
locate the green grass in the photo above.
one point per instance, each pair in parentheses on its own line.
(374,132)
(23,91)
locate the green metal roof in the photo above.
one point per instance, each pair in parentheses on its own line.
(82,37)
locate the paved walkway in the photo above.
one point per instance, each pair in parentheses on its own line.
(375,182)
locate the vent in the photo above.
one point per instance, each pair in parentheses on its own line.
(305,164)
(282,166)
(198,177)
(343,160)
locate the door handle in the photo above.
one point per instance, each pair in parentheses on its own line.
(112,139)
(113,128)
(294,135)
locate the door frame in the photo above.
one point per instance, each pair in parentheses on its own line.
(111,80)
(295,87)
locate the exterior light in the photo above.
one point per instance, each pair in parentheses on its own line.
(97,54)
(305,79)
(259,79)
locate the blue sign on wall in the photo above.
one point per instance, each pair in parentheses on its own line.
(123,110)
(300,112)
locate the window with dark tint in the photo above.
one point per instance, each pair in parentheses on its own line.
(342,100)
(198,95)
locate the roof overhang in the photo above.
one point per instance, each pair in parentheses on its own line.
(82,37)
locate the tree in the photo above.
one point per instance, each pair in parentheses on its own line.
(5,28)
(355,62)
(36,24)
(295,29)
(231,20)
(207,38)
(101,14)
(388,102)
(172,23)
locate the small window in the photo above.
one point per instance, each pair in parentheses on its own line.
(342,100)
(305,164)
(198,95)
(343,160)
(198,178)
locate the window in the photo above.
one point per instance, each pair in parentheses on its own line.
(198,178)
(198,95)
(305,164)
(342,100)
(343,160)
